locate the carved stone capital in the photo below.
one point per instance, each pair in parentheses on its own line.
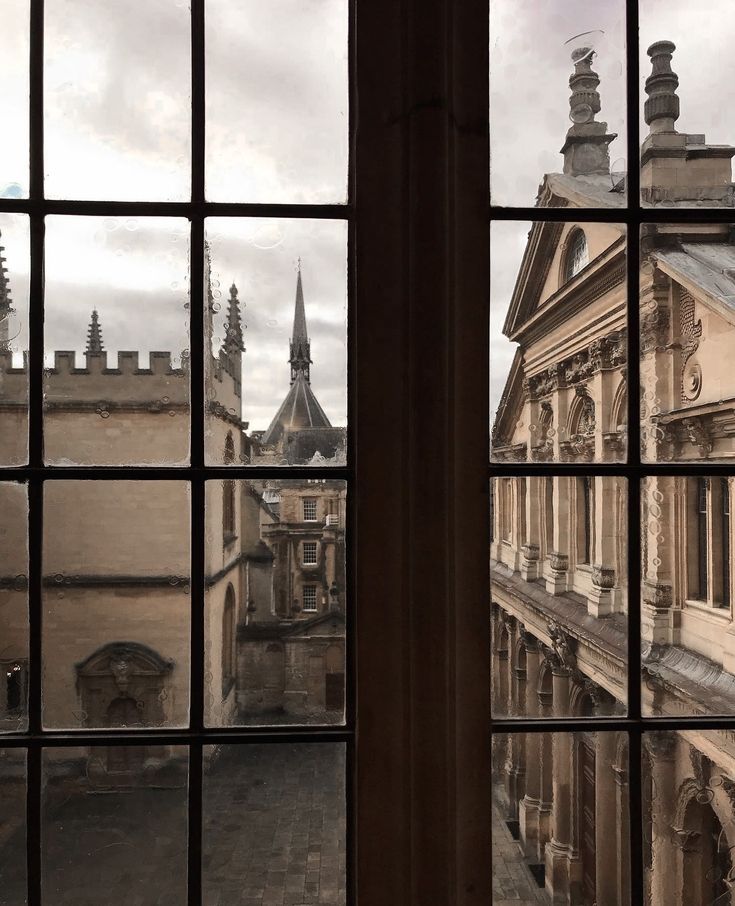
(559,562)
(657,595)
(603,576)
(563,645)
(697,433)
(530,552)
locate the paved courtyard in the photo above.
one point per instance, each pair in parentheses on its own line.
(274,827)
(513,883)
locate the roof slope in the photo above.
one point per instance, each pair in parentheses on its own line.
(299,410)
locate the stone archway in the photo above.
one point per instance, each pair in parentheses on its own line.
(706,861)
(122,684)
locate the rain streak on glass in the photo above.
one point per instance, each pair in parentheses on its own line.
(276,342)
(553,794)
(14,634)
(14,296)
(557,103)
(275,602)
(284,837)
(559,544)
(14,99)
(116,383)
(117,100)
(686,125)
(558,342)
(116,604)
(277,101)
(114,819)
(13,781)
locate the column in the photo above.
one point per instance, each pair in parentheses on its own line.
(558,850)
(532,543)
(623,824)
(516,774)
(559,557)
(546,791)
(529,808)
(604,554)
(606,824)
(664,505)
(662,749)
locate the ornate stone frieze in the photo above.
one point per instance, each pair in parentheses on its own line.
(603,576)
(602,353)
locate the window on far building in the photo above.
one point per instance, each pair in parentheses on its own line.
(577,255)
(309,553)
(228,509)
(309,506)
(308,596)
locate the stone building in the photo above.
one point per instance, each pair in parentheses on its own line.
(117,597)
(559,543)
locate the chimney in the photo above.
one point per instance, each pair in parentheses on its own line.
(586,147)
(676,166)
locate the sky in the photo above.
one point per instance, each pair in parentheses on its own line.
(117,126)
(538,103)
(117,83)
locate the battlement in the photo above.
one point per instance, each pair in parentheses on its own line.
(127,364)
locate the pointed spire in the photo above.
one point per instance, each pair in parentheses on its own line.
(233,338)
(586,147)
(5,303)
(300,347)
(94,335)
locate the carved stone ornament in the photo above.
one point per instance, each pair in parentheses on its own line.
(603,576)
(563,645)
(657,595)
(661,745)
(530,642)
(698,434)
(530,551)
(691,332)
(654,328)
(120,669)
(559,562)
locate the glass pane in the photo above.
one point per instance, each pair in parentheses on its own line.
(131,841)
(15,258)
(688,822)
(679,91)
(561,824)
(686,606)
(275,602)
(117,293)
(559,586)
(116,605)
(277,101)
(13,778)
(687,341)
(558,342)
(14,632)
(284,837)
(117,100)
(276,370)
(14,99)
(557,103)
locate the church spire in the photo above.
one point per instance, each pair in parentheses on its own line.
(5,303)
(300,348)
(94,335)
(233,339)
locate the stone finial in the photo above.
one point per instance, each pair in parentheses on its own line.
(586,147)
(233,338)
(584,102)
(94,335)
(661,109)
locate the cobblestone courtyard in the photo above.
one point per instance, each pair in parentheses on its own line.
(513,883)
(274,827)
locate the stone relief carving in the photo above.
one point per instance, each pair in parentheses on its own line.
(697,433)
(603,576)
(691,332)
(563,646)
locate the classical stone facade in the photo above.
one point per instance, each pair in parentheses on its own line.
(559,547)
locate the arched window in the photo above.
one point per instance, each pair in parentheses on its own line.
(702,546)
(228,509)
(585,517)
(576,256)
(228,641)
(549,513)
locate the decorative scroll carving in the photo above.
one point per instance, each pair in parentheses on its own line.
(698,434)
(691,332)
(654,328)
